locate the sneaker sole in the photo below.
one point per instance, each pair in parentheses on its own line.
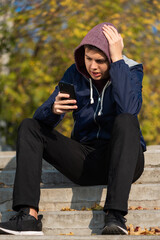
(114,230)
(7,231)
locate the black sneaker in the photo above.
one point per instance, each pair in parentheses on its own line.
(22,224)
(114,224)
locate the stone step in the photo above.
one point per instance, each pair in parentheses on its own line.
(8,162)
(89,222)
(50,176)
(53,199)
(53,176)
(152,158)
(153,147)
(61,237)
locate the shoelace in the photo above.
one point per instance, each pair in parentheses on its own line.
(121,218)
(18,217)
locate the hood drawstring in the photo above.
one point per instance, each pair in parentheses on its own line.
(91,95)
(101,108)
(91,92)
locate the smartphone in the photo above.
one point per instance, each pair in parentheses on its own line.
(67,88)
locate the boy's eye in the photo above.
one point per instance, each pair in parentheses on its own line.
(100,61)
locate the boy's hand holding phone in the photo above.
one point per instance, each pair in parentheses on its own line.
(63,102)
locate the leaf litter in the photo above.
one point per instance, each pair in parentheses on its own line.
(131,229)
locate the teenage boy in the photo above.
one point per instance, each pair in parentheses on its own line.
(106,146)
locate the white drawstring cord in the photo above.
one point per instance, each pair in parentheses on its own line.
(101,108)
(91,95)
(91,91)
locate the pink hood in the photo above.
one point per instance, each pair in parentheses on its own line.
(96,38)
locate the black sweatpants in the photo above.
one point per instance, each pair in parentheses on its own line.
(117,162)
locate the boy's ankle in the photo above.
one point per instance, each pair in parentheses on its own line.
(33,213)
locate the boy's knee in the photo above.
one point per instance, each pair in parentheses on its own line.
(27,123)
(126,120)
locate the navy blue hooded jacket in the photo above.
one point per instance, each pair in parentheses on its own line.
(96,112)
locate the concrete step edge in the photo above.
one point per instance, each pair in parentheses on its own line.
(78,237)
(54,177)
(93,219)
(152,157)
(144,195)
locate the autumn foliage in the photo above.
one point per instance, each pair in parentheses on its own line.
(40,37)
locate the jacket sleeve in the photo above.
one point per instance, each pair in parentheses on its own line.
(127,86)
(44,112)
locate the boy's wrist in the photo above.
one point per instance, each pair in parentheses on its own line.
(117,58)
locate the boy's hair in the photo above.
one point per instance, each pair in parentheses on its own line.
(91,47)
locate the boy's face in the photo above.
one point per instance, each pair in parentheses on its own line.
(96,64)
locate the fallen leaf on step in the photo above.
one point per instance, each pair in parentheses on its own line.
(130,229)
(67,209)
(132,208)
(95,207)
(68,234)
(139,231)
(157,229)
(137,208)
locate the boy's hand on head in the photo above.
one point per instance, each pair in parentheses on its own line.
(115,42)
(61,104)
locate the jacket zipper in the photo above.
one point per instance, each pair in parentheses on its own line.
(99,100)
(99,128)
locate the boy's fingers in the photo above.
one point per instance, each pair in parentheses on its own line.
(66,107)
(112,32)
(63,95)
(109,27)
(121,40)
(107,36)
(60,109)
(65,101)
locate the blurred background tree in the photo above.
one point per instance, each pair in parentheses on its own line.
(40,36)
